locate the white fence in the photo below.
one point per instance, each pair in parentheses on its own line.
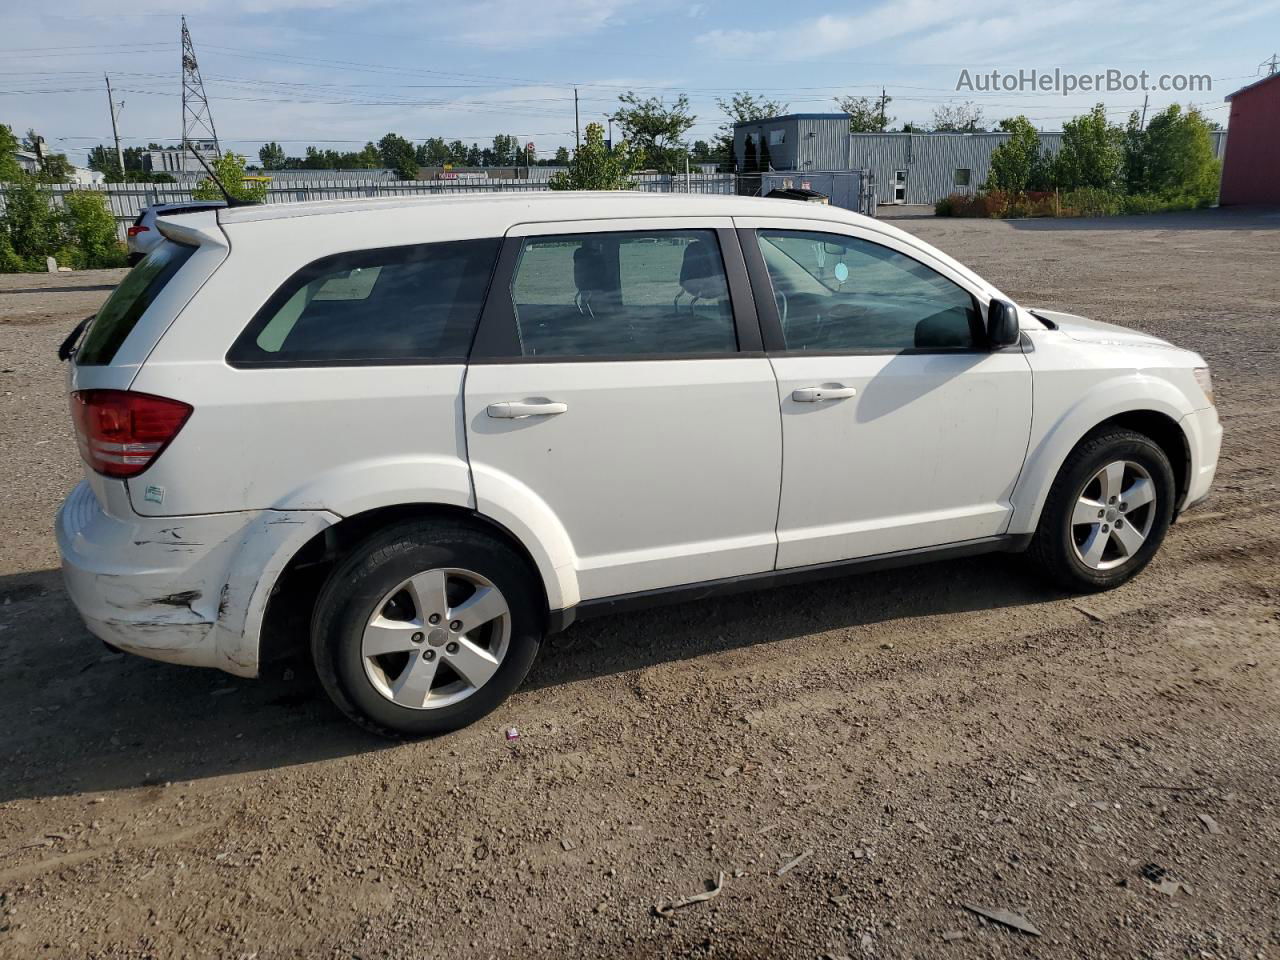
(127,200)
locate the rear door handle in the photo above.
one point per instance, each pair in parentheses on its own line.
(519,409)
(832,391)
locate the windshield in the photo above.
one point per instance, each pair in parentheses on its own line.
(129,301)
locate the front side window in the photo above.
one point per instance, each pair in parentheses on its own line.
(397,304)
(623,294)
(841,294)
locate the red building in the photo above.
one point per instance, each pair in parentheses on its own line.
(1251,169)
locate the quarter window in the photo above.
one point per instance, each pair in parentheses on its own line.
(841,294)
(397,305)
(623,294)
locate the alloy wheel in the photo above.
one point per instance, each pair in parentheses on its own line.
(1113,515)
(436,638)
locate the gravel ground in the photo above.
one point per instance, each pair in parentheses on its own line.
(859,759)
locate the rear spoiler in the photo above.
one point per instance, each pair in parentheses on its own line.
(198,229)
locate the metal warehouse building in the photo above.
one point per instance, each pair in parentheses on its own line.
(906,167)
(1251,170)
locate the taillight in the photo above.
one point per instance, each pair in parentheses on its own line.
(121,433)
(137,229)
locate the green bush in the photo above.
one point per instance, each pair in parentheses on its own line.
(945,207)
(31,226)
(1091,202)
(81,234)
(91,231)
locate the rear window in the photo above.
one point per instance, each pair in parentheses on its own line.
(414,304)
(129,301)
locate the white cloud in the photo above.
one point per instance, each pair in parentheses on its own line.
(511,24)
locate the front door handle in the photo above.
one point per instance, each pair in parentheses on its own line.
(831,391)
(519,409)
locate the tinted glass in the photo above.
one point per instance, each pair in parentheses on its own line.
(129,301)
(619,294)
(397,304)
(838,293)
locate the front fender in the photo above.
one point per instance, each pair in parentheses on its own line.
(1053,441)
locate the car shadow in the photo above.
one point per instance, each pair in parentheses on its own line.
(76,717)
(633,641)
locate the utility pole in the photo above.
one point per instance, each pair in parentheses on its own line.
(883,103)
(1143,124)
(577,135)
(1272,64)
(115,132)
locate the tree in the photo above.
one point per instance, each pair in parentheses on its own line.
(1017,165)
(398,154)
(655,129)
(230,170)
(766,162)
(742,107)
(1092,152)
(1172,157)
(750,162)
(433,152)
(597,167)
(866,115)
(103,159)
(272,156)
(957,118)
(56,168)
(10,169)
(507,151)
(562,156)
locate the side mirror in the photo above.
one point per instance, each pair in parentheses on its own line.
(1002,324)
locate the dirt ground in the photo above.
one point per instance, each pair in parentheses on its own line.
(860,759)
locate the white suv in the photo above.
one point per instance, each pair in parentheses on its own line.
(432,431)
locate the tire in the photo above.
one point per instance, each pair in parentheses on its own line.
(134,259)
(1065,546)
(427,558)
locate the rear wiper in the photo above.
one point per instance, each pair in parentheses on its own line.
(68,347)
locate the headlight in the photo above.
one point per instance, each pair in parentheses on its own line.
(1205,381)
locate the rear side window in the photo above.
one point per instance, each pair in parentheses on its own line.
(394,305)
(623,294)
(129,301)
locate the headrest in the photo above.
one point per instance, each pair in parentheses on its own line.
(702,274)
(590,269)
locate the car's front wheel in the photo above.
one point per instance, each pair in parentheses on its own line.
(426,628)
(1107,512)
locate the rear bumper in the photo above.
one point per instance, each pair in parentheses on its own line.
(188,590)
(1204,436)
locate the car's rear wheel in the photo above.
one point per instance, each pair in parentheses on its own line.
(1107,512)
(426,628)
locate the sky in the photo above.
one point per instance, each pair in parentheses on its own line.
(341,72)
